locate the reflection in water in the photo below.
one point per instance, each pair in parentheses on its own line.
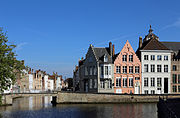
(40,107)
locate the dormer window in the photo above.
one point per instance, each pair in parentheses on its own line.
(105,58)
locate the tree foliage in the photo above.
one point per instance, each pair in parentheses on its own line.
(10,67)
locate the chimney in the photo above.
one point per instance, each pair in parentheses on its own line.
(22,62)
(140,42)
(110,48)
(113,53)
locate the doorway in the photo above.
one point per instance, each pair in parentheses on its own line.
(165,85)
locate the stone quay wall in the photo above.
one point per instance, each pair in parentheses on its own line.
(89,98)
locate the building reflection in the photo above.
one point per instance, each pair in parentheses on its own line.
(32,103)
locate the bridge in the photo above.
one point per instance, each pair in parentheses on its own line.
(7,99)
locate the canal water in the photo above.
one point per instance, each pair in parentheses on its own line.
(40,107)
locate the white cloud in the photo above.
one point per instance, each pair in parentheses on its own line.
(175,24)
(20,46)
(115,39)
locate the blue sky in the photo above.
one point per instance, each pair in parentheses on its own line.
(53,34)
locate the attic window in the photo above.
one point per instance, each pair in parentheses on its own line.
(90,59)
(105,58)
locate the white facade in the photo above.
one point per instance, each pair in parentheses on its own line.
(30,82)
(46,82)
(154,82)
(51,84)
(58,83)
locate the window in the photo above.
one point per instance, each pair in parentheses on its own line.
(145,67)
(179,79)
(136,69)
(86,71)
(109,84)
(174,88)
(95,83)
(145,57)
(124,69)
(159,57)
(159,89)
(90,59)
(137,78)
(124,58)
(158,68)
(153,68)
(102,84)
(152,91)
(94,70)
(146,82)
(90,70)
(130,69)
(166,58)
(102,70)
(118,69)
(146,91)
(174,78)
(178,88)
(124,82)
(105,58)
(109,70)
(152,81)
(152,57)
(118,82)
(165,68)
(174,68)
(90,83)
(159,83)
(130,82)
(131,58)
(106,70)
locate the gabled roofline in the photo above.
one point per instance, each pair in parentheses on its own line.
(93,52)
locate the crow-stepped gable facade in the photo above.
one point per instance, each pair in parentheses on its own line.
(127,71)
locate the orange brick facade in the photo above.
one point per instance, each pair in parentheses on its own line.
(127,71)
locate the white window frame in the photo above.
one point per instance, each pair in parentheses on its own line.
(131,69)
(124,58)
(166,68)
(159,57)
(152,82)
(146,57)
(125,82)
(152,67)
(159,82)
(146,84)
(95,83)
(146,68)
(165,57)
(130,58)
(124,69)
(118,82)
(152,57)
(118,69)
(102,86)
(159,68)
(130,81)
(90,70)
(90,83)
(136,69)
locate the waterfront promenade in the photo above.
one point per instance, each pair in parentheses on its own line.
(91,98)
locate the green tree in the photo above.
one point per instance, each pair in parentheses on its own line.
(10,67)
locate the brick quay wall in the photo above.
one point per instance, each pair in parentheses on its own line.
(88,98)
